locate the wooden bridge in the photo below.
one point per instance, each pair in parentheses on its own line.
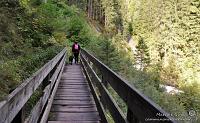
(79,94)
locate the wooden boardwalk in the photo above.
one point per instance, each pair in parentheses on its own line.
(68,98)
(73,102)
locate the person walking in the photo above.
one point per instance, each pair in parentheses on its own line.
(76,49)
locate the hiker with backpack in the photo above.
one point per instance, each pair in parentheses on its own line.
(76,49)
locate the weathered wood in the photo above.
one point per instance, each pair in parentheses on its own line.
(72,82)
(57,73)
(73,94)
(73,100)
(73,109)
(50,101)
(36,111)
(135,100)
(73,97)
(20,117)
(74,122)
(74,86)
(70,117)
(112,106)
(100,108)
(106,99)
(72,78)
(77,87)
(16,100)
(74,90)
(38,108)
(130,117)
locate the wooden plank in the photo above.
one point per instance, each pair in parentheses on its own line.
(61,108)
(72,73)
(72,79)
(74,116)
(85,121)
(77,106)
(72,97)
(71,87)
(69,74)
(73,94)
(71,82)
(16,100)
(76,72)
(74,90)
(78,96)
(73,102)
(74,86)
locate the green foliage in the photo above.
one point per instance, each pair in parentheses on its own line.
(31,34)
(190,97)
(169,49)
(142,54)
(16,70)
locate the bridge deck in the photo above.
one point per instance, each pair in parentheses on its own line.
(73,101)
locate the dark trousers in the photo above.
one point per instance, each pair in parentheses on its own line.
(76,57)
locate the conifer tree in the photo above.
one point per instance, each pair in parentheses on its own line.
(142,54)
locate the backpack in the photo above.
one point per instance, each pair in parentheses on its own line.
(76,46)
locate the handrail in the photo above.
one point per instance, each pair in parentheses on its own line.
(14,103)
(55,79)
(140,108)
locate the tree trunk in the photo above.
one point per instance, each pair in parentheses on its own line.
(91,11)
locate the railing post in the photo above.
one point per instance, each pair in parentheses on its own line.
(130,117)
(47,78)
(20,117)
(46,81)
(105,83)
(104,78)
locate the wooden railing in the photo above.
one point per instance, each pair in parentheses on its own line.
(140,109)
(12,108)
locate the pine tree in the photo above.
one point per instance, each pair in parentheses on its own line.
(142,54)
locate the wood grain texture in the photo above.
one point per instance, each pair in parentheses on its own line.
(106,99)
(44,117)
(38,108)
(73,101)
(74,122)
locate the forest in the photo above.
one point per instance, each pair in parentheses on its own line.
(152,44)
